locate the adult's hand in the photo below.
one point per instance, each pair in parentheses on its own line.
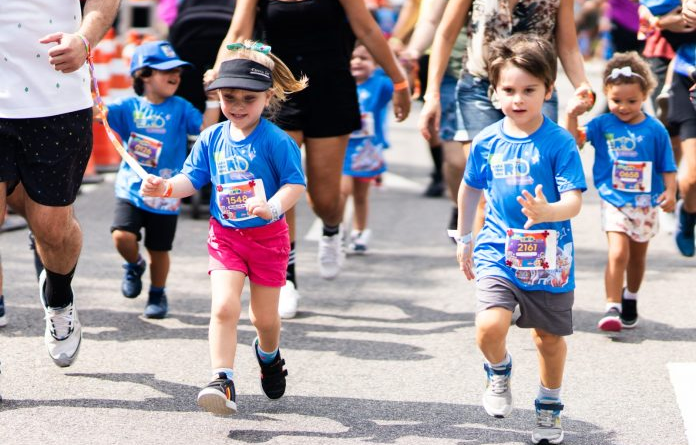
(69,53)
(209,76)
(689,12)
(429,120)
(675,21)
(402,104)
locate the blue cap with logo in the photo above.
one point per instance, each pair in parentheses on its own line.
(157,55)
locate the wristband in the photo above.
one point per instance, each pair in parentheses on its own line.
(276,208)
(212,104)
(399,86)
(86,43)
(168,190)
(460,239)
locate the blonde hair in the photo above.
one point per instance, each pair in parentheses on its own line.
(284,82)
(642,74)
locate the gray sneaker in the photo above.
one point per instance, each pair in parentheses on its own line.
(497,399)
(548,428)
(63,334)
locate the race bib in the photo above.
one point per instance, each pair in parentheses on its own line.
(367,126)
(531,249)
(168,204)
(629,176)
(144,149)
(232,198)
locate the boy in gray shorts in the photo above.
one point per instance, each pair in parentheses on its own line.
(530,170)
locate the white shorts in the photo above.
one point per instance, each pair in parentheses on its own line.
(639,223)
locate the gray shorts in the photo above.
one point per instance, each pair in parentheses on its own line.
(539,309)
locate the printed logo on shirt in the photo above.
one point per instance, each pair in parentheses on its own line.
(234,160)
(623,145)
(152,122)
(514,171)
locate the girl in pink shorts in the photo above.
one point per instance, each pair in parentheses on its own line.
(256,175)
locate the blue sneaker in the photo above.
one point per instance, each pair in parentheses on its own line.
(497,399)
(684,233)
(548,428)
(156,305)
(132,285)
(3,320)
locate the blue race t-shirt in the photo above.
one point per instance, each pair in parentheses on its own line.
(685,60)
(155,135)
(661,7)
(258,165)
(630,160)
(364,156)
(542,257)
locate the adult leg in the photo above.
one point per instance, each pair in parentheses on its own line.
(454,164)
(58,235)
(687,181)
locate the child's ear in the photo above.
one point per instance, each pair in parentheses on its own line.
(269,95)
(549,92)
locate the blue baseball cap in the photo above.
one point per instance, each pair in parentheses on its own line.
(157,55)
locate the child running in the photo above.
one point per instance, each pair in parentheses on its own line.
(635,173)
(256,175)
(524,252)
(155,124)
(364,160)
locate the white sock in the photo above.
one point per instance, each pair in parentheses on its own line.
(612,305)
(506,361)
(229,372)
(630,295)
(548,394)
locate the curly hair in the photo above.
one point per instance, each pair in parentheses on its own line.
(643,76)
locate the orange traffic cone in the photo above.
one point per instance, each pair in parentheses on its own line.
(91,176)
(106,158)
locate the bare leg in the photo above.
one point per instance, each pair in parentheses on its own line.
(126,244)
(455,163)
(552,352)
(263,313)
(159,267)
(361,201)
(58,235)
(324,166)
(226,289)
(492,326)
(687,181)
(635,271)
(616,265)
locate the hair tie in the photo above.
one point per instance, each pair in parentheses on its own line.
(257,46)
(625,71)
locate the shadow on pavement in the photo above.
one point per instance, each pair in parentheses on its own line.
(586,321)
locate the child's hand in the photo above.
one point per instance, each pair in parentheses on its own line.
(536,208)
(153,186)
(667,200)
(464,257)
(259,207)
(586,97)
(576,106)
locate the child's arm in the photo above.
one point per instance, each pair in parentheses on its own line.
(668,198)
(467,201)
(284,199)
(575,108)
(211,115)
(537,209)
(180,186)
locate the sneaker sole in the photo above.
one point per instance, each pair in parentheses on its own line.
(212,401)
(610,325)
(548,441)
(631,325)
(63,361)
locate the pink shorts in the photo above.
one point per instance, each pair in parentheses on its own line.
(261,253)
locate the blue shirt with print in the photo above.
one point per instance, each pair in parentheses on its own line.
(617,142)
(503,166)
(264,161)
(156,136)
(364,154)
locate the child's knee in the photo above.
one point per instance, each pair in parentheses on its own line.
(546,340)
(266,322)
(227,311)
(618,255)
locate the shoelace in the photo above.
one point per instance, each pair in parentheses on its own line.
(61,321)
(330,250)
(499,383)
(546,418)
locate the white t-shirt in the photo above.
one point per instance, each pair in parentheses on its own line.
(29,86)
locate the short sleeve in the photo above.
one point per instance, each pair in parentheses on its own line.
(475,174)
(567,168)
(287,160)
(193,118)
(197,165)
(385,92)
(117,117)
(592,132)
(664,155)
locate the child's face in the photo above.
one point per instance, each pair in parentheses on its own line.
(625,101)
(162,84)
(362,65)
(521,97)
(243,108)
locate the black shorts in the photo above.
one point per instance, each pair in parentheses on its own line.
(159,228)
(681,111)
(327,107)
(48,155)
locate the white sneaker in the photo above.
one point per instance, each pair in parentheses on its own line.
(287,305)
(331,255)
(63,334)
(497,399)
(359,241)
(668,222)
(548,428)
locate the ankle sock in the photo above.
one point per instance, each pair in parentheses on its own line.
(548,394)
(437,155)
(137,263)
(506,361)
(229,372)
(266,357)
(156,290)
(290,271)
(629,295)
(330,231)
(58,292)
(610,305)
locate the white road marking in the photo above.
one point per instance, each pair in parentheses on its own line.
(682,376)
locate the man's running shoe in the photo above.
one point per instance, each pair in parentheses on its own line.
(63,334)
(132,284)
(548,428)
(629,312)
(272,375)
(331,255)
(219,396)
(288,300)
(684,233)
(497,399)
(611,321)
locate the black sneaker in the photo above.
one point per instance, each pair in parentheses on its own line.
(436,188)
(453,222)
(611,321)
(272,375)
(629,312)
(219,396)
